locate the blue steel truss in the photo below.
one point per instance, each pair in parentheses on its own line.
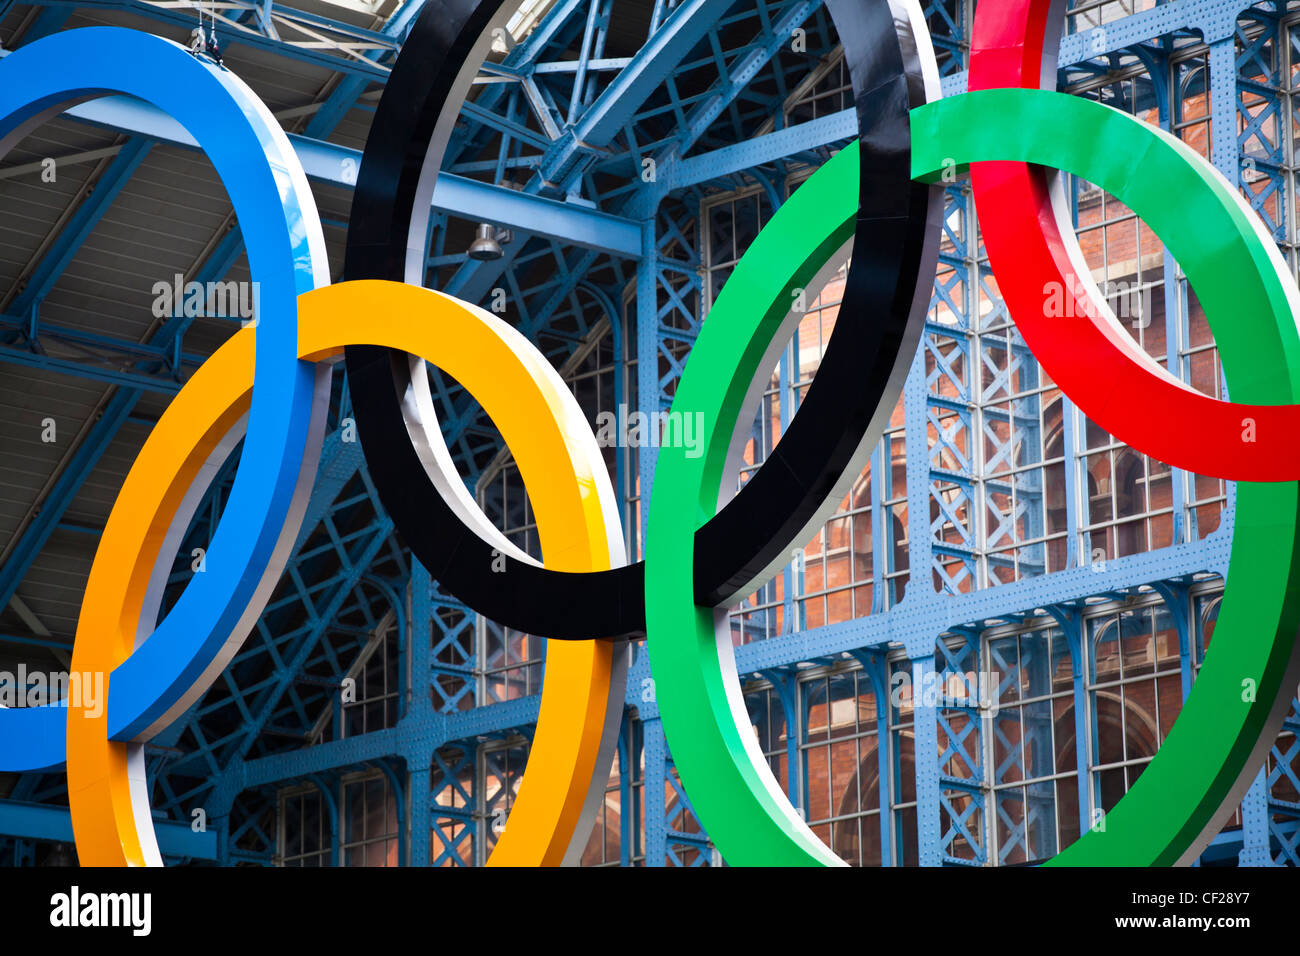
(601,163)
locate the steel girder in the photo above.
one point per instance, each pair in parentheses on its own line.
(913,624)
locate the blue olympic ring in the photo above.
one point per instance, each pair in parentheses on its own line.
(286,255)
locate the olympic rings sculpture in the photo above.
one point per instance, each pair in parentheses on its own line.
(880,197)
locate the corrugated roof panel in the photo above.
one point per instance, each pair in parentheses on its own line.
(166,220)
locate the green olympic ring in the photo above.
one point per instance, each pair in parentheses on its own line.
(1251,303)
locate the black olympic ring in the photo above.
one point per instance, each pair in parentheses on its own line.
(842,415)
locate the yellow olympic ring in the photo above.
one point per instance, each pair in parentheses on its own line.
(569,489)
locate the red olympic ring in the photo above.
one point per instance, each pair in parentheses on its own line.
(1090,357)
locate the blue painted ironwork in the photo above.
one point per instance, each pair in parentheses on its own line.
(248,739)
(115,415)
(40,822)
